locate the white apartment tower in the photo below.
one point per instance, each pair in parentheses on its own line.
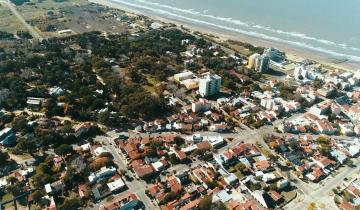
(209,84)
(262,63)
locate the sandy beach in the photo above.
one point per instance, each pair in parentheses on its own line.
(293,53)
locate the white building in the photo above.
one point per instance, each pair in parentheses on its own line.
(231,179)
(209,84)
(56,91)
(103,173)
(48,188)
(275,55)
(5,132)
(201,106)
(116,185)
(183,76)
(158,166)
(252,60)
(215,141)
(306,73)
(99,151)
(262,63)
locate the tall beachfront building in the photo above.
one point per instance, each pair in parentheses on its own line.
(252,60)
(209,84)
(275,55)
(262,63)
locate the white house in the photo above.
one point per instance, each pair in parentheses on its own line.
(100,151)
(183,76)
(103,173)
(116,185)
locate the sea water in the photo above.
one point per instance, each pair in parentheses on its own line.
(328,26)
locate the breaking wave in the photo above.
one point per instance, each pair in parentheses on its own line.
(147,6)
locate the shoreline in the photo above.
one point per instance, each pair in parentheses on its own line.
(293,53)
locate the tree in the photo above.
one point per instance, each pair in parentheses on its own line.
(205,203)
(25,145)
(100,162)
(52,109)
(64,149)
(349,163)
(37,196)
(67,129)
(219,206)
(312,206)
(23,34)
(317,83)
(179,141)
(16,189)
(323,140)
(240,167)
(73,203)
(3,159)
(20,124)
(6,35)
(72,178)
(170,197)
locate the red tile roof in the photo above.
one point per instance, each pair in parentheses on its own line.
(174,184)
(180,154)
(204,145)
(346,206)
(275,195)
(353,190)
(263,164)
(192,205)
(144,170)
(154,189)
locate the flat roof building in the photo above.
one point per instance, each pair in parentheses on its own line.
(209,84)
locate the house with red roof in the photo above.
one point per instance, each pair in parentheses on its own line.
(144,171)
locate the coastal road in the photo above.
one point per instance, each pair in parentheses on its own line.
(30,28)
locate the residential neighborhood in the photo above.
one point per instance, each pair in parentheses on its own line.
(161,117)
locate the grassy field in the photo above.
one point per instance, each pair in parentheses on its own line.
(241,49)
(5,198)
(80,16)
(21,158)
(8,22)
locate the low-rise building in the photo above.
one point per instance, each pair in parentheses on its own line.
(116,185)
(102,174)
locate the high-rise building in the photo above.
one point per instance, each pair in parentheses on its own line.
(262,63)
(209,84)
(252,60)
(275,55)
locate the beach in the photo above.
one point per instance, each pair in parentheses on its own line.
(293,53)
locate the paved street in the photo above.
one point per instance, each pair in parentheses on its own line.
(135,186)
(320,193)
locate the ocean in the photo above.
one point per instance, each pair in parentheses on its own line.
(327,26)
